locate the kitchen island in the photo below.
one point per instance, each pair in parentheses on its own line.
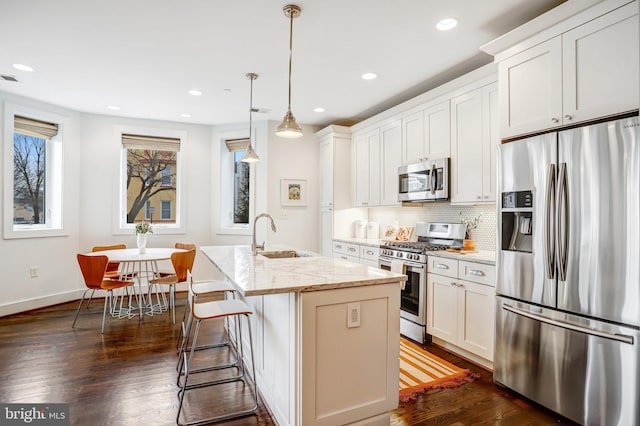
(327,334)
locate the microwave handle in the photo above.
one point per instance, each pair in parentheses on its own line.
(433,179)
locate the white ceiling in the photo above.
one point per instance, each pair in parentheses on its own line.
(144,55)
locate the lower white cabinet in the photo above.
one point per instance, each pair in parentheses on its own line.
(358,253)
(461,304)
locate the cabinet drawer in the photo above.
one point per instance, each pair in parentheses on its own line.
(346,248)
(442,266)
(477,272)
(369,253)
(346,257)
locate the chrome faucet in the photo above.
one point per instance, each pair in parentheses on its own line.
(254,246)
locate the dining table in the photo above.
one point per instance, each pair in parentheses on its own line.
(141,267)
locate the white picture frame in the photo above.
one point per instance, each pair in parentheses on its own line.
(293,192)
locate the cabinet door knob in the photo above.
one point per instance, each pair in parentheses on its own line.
(554,120)
(568,117)
(479,197)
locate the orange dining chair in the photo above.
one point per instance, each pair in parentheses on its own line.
(93,269)
(183,246)
(182,262)
(113,268)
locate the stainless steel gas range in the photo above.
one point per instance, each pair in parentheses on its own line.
(410,258)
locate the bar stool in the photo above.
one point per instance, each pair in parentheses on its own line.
(202,288)
(207,311)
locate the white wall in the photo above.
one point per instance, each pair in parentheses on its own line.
(54,256)
(294,159)
(100,167)
(91,167)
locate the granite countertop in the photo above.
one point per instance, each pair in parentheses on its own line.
(487,257)
(259,275)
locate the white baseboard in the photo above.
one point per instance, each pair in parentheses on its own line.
(40,302)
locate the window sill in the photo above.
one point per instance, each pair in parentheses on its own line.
(238,230)
(11,234)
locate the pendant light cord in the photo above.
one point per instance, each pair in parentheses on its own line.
(290,54)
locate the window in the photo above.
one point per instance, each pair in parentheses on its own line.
(33,193)
(166,210)
(241,179)
(166,177)
(150,181)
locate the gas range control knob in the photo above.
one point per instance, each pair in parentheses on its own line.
(399,254)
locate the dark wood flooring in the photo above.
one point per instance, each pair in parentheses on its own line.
(126,376)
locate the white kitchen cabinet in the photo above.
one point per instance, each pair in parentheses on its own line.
(461,305)
(334,144)
(426,133)
(390,160)
(365,254)
(588,72)
(366,168)
(474,140)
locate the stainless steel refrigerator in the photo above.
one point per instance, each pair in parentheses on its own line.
(568,286)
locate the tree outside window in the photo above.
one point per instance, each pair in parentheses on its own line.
(240,189)
(148,171)
(29,178)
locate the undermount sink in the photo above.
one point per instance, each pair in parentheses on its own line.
(280,254)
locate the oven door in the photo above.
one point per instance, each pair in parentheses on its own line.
(413,298)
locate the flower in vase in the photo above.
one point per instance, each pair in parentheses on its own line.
(144,228)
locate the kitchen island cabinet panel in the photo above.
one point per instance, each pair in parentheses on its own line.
(326,334)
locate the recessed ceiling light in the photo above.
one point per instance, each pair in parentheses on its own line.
(446,24)
(369,76)
(23,67)
(185,115)
(195,92)
(113,108)
(318,109)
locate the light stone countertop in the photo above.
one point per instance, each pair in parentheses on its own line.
(258,275)
(373,242)
(486,257)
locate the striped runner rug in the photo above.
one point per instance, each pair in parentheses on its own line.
(421,370)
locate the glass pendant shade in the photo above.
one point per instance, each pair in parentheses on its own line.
(289,128)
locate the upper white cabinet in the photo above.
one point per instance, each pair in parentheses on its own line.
(390,160)
(585,72)
(474,141)
(425,133)
(366,168)
(376,158)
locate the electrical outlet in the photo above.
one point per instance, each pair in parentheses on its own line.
(353,315)
(34,271)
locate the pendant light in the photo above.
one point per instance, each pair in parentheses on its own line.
(289,128)
(250,155)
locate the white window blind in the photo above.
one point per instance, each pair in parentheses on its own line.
(37,128)
(155,143)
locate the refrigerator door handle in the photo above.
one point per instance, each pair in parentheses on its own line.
(562,223)
(618,337)
(550,225)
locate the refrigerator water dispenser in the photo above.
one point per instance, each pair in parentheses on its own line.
(517,221)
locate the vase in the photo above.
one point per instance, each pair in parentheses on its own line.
(141,241)
(468,245)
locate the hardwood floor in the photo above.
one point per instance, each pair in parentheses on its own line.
(126,376)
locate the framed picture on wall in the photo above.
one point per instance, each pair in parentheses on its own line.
(293,192)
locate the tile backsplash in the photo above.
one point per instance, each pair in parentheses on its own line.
(484,234)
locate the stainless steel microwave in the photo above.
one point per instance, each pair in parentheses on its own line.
(424,181)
